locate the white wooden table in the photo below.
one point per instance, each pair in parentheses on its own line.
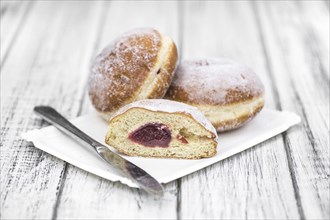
(46,49)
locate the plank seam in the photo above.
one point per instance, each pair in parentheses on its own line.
(62,182)
(311,139)
(59,195)
(278,105)
(307,130)
(247,195)
(267,60)
(293,177)
(314,49)
(96,45)
(178,199)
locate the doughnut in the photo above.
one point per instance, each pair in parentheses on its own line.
(137,65)
(161,128)
(228,93)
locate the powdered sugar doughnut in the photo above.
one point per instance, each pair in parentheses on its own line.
(162,128)
(228,93)
(138,65)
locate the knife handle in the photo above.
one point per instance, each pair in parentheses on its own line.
(135,173)
(52,116)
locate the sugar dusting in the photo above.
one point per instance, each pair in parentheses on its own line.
(208,81)
(119,70)
(169,106)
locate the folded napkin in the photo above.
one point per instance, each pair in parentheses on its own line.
(266,125)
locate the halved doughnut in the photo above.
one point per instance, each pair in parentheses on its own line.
(162,128)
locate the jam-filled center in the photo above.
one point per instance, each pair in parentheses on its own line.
(151,135)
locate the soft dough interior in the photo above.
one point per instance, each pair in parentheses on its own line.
(199,141)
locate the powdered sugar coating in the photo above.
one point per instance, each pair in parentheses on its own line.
(214,81)
(169,106)
(119,71)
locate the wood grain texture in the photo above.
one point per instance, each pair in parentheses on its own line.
(104,199)
(43,65)
(13,17)
(46,49)
(246,185)
(303,88)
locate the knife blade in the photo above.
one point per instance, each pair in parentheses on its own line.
(139,176)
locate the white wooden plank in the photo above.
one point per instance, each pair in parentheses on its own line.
(32,180)
(13,16)
(46,65)
(102,198)
(313,22)
(303,87)
(255,184)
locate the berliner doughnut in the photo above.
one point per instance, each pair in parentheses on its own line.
(228,93)
(162,128)
(138,65)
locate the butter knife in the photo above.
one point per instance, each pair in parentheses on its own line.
(144,180)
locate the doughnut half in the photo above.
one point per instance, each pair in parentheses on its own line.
(228,93)
(162,128)
(138,65)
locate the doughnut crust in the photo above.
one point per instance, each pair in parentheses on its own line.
(228,93)
(138,65)
(162,128)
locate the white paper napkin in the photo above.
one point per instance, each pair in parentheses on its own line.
(266,125)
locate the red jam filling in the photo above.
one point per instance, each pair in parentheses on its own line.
(182,139)
(151,135)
